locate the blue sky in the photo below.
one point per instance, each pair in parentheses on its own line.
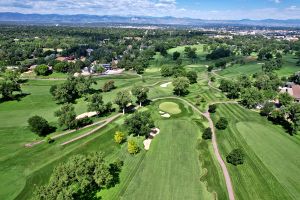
(201,9)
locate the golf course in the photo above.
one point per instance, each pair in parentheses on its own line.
(181,163)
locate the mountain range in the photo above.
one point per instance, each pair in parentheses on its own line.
(84,19)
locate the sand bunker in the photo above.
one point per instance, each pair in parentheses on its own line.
(147,142)
(166,115)
(165,84)
(87,114)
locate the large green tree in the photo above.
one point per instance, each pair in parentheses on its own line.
(141,93)
(66,116)
(81,177)
(97,104)
(181,85)
(9,84)
(140,123)
(123,98)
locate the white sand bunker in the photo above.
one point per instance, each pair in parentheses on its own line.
(87,114)
(165,84)
(147,142)
(166,115)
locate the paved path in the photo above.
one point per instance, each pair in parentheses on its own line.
(67,132)
(214,142)
(107,121)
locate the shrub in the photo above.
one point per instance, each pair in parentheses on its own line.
(212,108)
(39,125)
(236,157)
(49,140)
(132,147)
(42,70)
(222,123)
(207,134)
(108,86)
(119,137)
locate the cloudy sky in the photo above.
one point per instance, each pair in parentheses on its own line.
(201,9)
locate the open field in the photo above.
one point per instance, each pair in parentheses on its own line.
(272,156)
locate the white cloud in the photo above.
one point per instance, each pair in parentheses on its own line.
(276,1)
(140,8)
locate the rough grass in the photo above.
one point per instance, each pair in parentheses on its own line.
(170,107)
(271,169)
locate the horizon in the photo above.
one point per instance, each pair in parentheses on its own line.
(212,10)
(145,16)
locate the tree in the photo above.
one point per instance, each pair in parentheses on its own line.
(10,84)
(108,86)
(294,116)
(140,123)
(62,67)
(285,99)
(83,85)
(192,76)
(207,134)
(222,123)
(39,125)
(236,157)
(119,137)
(267,109)
(251,97)
(42,70)
(212,108)
(218,53)
(181,85)
(66,116)
(123,98)
(141,93)
(166,71)
(132,147)
(176,55)
(80,177)
(96,104)
(191,52)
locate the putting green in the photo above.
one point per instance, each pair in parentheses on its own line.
(170,107)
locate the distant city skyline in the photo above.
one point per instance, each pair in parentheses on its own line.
(201,9)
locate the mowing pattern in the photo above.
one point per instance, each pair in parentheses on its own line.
(170,169)
(271,169)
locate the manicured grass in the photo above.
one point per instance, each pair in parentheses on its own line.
(234,71)
(170,107)
(289,66)
(163,173)
(271,169)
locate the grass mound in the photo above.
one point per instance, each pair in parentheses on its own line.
(170,107)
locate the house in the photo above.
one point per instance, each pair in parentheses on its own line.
(292,89)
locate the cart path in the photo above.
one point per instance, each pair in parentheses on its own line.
(214,142)
(107,121)
(68,132)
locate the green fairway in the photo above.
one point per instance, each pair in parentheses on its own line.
(272,156)
(234,71)
(164,170)
(170,107)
